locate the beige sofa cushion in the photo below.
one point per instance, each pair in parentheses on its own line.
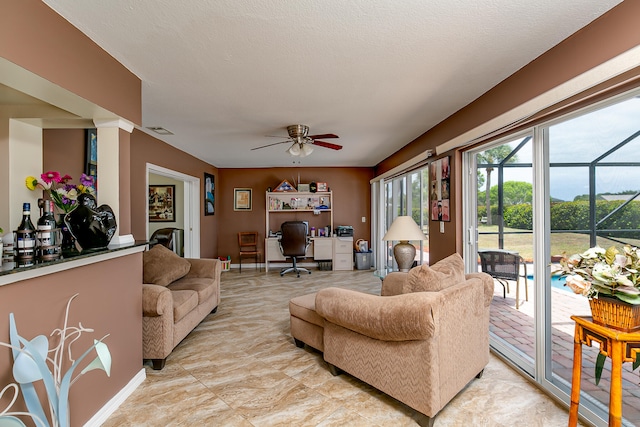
(446,272)
(202,286)
(183,303)
(162,266)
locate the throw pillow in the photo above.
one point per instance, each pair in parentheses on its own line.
(441,275)
(161,266)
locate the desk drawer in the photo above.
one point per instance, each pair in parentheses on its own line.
(343,261)
(322,248)
(343,245)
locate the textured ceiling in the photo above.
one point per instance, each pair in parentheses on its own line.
(223,74)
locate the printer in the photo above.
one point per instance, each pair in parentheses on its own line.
(344,231)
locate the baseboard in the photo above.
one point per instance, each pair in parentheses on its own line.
(112,405)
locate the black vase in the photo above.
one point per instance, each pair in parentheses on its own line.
(68,245)
(93,227)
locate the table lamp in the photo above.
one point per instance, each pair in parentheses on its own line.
(404,228)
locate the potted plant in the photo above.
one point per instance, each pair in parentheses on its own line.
(610,279)
(609,273)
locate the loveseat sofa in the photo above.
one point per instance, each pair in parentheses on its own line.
(177,294)
(422,341)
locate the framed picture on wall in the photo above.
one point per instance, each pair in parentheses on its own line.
(209,194)
(162,203)
(439,177)
(91,155)
(241,199)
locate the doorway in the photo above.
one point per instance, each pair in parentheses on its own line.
(186,205)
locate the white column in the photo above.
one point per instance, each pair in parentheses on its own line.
(109,170)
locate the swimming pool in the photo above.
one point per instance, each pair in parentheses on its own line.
(556,282)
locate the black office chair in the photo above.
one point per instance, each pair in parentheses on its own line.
(294,243)
(503,266)
(162,236)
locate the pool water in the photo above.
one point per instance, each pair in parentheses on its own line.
(556,282)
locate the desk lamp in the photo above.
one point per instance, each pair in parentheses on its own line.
(404,228)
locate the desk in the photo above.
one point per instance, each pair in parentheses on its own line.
(337,249)
(619,346)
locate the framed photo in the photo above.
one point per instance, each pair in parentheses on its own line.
(162,203)
(209,194)
(439,176)
(322,186)
(303,187)
(91,154)
(241,199)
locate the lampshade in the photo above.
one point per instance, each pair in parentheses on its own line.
(404,228)
(294,150)
(306,149)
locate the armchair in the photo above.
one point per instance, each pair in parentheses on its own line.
(421,342)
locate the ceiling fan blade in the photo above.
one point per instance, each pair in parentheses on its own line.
(327,145)
(323,136)
(269,145)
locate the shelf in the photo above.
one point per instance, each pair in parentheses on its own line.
(299,210)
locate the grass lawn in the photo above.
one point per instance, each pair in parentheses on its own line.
(523,243)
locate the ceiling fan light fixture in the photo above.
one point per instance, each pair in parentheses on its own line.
(294,150)
(305,150)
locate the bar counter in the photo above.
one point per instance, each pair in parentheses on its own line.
(12,271)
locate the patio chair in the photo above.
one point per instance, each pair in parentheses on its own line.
(504,266)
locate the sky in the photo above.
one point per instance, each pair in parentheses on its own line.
(583,139)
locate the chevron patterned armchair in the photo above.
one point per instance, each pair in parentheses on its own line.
(421,342)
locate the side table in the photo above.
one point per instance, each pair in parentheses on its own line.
(619,346)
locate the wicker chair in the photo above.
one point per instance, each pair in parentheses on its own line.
(504,266)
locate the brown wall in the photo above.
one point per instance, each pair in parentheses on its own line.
(351,200)
(39,305)
(63,150)
(608,36)
(147,149)
(55,50)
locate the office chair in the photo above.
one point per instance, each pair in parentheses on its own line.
(294,243)
(248,242)
(162,236)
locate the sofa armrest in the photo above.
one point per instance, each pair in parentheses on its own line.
(394,318)
(393,283)
(204,268)
(156,300)
(487,282)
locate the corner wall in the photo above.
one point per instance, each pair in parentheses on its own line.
(351,200)
(147,149)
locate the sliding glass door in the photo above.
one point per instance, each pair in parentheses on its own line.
(504,242)
(558,188)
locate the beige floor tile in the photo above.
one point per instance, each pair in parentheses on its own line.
(240,368)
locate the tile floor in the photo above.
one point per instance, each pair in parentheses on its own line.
(241,368)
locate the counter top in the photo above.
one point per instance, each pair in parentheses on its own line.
(12,271)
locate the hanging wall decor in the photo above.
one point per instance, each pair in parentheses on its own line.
(209,194)
(439,181)
(161,203)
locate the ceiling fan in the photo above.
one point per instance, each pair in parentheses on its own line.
(302,142)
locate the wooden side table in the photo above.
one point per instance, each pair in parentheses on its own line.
(619,346)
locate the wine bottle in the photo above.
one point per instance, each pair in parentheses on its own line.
(47,242)
(25,235)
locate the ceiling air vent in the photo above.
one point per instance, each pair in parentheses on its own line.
(160,130)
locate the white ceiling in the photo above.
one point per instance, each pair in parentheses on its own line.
(223,74)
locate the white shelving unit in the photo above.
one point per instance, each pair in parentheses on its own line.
(317,209)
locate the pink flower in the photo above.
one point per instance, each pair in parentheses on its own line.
(50,176)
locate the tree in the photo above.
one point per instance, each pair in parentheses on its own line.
(513,193)
(480,179)
(491,157)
